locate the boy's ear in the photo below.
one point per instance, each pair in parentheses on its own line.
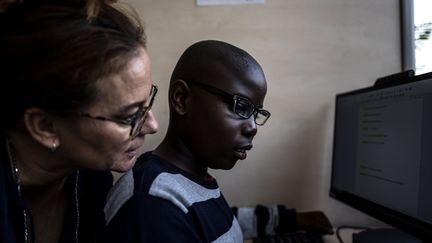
(41,126)
(179,96)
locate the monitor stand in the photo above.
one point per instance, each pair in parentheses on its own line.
(383,236)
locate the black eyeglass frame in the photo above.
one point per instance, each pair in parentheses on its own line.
(136,120)
(236,98)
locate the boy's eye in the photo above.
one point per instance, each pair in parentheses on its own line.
(243,107)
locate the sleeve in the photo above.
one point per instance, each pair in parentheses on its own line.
(287,219)
(265,220)
(146,219)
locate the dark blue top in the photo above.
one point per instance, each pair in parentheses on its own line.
(161,203)
(92,188)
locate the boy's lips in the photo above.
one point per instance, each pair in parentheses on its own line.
(241,153)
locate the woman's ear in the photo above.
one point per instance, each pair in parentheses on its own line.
(41,126)
(179,96)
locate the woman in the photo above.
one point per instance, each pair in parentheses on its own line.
(76,100)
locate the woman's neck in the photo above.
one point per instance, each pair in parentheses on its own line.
(41,185)
(47,205)
(37,167)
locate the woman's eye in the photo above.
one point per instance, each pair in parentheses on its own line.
(128,119)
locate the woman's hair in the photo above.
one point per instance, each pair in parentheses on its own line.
(53,52)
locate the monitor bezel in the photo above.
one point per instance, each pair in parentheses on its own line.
(406,223)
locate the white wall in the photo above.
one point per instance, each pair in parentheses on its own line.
(310,50)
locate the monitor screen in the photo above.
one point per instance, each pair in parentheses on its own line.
(382,153)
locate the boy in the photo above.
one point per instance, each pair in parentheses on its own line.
(216,101)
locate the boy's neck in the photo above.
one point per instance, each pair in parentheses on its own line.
(174,151)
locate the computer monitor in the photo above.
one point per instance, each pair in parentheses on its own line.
(382,153)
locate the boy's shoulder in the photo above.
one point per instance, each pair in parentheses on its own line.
(147,167)
(129,184)
(156,177)
(152,179)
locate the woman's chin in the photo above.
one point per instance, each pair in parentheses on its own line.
(125,166)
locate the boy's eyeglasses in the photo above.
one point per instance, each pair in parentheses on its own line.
(136,120)
(242,106)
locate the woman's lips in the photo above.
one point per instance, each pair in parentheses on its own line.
(131,153)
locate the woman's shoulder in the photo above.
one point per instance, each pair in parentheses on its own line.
(95,180)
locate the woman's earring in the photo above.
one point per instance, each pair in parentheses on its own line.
(53,147)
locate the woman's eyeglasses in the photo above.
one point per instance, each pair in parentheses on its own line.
(136,120)
(242,106)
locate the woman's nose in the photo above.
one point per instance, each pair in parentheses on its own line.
(151,125)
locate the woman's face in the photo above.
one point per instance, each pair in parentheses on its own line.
(107,145)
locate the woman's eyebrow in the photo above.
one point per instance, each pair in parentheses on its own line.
(141,103)
(131,106)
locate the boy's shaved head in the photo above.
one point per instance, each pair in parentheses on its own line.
(204,60)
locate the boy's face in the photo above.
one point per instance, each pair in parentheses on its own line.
(217,136)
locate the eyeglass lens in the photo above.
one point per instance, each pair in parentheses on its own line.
(246,109)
